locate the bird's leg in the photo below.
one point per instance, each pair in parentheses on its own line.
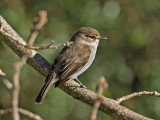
(81,85)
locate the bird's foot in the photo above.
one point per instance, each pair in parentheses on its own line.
(83,86)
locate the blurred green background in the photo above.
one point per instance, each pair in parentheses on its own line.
(129,59)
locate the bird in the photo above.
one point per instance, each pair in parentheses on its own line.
(73,60)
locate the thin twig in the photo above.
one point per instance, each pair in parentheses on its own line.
(15,92)
(2,73)
(6,83)
(137,94)
(39,23)
(51,46)
(102,84)
(22,112)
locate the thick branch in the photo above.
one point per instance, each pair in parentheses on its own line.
(109,106)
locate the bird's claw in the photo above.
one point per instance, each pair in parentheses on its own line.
(83,86)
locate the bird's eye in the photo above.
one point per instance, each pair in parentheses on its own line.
(91,36)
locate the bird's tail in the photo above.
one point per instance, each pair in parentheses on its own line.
(48,83)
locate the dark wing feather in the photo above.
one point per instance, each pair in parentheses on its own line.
(72,62)
(71,69)
(48,83)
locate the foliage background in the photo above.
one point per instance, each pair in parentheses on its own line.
(129,59)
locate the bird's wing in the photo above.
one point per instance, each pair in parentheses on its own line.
(72,62)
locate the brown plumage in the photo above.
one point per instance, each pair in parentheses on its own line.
(71,59)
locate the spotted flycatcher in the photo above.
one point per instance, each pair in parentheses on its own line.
(73,60)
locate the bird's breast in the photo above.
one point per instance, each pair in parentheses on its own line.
(93,49)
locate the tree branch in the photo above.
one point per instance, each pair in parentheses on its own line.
(22,112)
(137,94)
(102,84)
(109,106)
(2,73)
(16,87)
(39,23)
(6,82)
(51,46)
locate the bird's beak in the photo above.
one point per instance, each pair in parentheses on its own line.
(103,38)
